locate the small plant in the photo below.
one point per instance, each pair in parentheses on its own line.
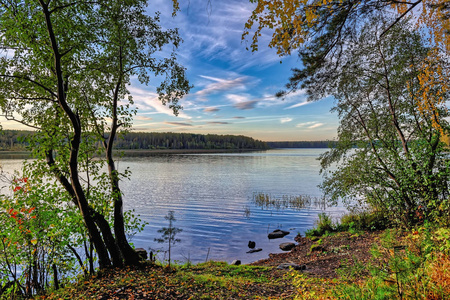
(363,220)
(324,225)
(169,233)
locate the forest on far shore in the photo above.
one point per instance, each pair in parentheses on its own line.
(15,140)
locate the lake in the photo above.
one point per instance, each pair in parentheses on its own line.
(212,197)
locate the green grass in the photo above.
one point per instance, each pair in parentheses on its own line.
(212,280)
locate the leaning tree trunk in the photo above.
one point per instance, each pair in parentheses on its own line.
(102,246)
(130,256)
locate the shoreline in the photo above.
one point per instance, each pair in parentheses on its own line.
(138,152)
(150,152)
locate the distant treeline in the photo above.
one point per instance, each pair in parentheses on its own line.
(152,140)
(302,144)
(12,140)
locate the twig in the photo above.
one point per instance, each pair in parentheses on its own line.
(207,255)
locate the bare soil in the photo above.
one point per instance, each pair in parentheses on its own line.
(329,254)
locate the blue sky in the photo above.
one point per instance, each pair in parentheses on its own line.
(233,88)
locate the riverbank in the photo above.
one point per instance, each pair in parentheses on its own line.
(143,153)
(137,152)
(218,280)
(390,264)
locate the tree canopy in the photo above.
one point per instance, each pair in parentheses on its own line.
(64,71)
(386,64)
(399,165)
(321,30)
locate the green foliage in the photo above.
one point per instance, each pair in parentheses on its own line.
(403,267)
(17,140)
(389,155)
(170,140)
(37,235)
(64,71)
(211,280)
(169,233)
(323,226)
(363,220)
(353,222)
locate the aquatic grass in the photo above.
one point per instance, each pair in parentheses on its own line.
(267,201)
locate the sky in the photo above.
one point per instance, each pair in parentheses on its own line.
(234,87)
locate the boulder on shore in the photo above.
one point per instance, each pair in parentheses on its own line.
(254,250)
(236,262)
(287,246)
(276,234)
(142,253)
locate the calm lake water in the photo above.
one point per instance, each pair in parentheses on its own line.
(211,195)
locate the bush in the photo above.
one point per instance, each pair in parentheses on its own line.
(324,225)
(364,220)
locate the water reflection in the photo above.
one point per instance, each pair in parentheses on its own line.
(212,196)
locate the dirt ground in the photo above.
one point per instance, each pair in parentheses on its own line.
(329,254)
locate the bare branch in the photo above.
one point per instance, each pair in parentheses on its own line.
(401,16)
(11,118)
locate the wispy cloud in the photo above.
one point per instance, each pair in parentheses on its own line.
(246,105)
(149,103)
(211,109)
(298,104)
(220,85)
(316,125)
(178,123)
(285,120)
(218,123)
(242,101)
(309,125)
(142,118)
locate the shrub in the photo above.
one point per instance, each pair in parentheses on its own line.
(364,220)
(323,225)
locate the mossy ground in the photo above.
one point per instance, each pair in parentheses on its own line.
(212,280)
(391,264)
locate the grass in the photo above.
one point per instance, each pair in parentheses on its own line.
(268,201)
(212,280)
(405,264)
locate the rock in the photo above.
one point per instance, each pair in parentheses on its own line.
(142,253)
(276,234)
(235,262)
(254,250)
(251,244)
(287,246)
(287,266)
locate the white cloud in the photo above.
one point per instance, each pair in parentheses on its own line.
(309,125)
(316,125)
(305,124)
(220,85)
(148,103)
(285,120)
(242,101)
(142,118)
(298,104)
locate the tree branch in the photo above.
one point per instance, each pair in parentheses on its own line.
(32,81)
(401,16)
